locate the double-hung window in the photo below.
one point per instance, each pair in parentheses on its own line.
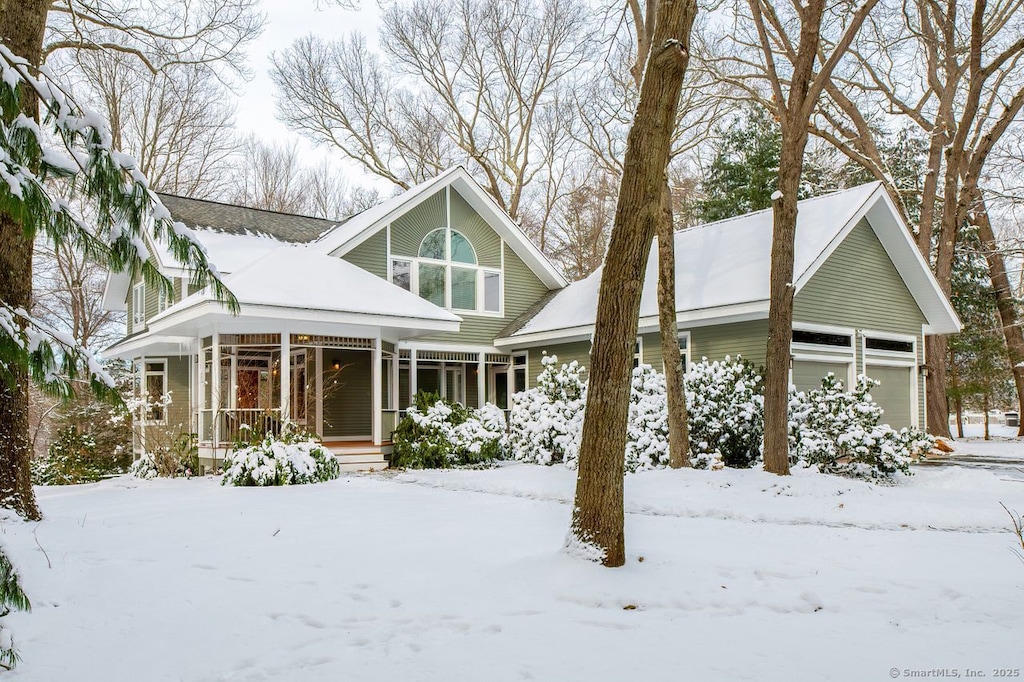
(139,304)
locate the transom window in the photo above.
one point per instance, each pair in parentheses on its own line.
(445,272)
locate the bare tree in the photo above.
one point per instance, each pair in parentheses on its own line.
(474,82)
(156,34)
(177,122)
(969,93)
(787,51)
(597,519)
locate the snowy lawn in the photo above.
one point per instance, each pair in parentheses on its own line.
(458,576)
(1003,443)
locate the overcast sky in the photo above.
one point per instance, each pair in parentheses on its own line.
(286,21)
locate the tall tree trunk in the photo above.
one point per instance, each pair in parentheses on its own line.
(780,311)
(937,352)
(959,417)
(22,23)
(1005,302)
(597,518)
(678,426)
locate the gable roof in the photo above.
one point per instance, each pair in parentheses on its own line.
(722,268)
(362,226)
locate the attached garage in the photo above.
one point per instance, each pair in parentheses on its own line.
(893,394)
(807,374)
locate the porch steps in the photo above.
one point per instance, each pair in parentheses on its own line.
(360,456)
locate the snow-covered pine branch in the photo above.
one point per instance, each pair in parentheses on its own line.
(43,168)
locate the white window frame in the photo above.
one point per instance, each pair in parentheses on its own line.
(839,355)
(414,275)
(145,373)
(685,353)
(513,387)
(638,352)
(163,301)
(138,304)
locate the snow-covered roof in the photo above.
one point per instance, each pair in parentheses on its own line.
(297,283)
(362,226)
(722,268)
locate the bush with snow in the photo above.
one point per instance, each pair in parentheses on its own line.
(839,432)
(437,434)
(289,459)
(167,455)
(647,432)
(546,422)
(725,401)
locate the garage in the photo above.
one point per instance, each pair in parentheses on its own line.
(893,394)
(807,374)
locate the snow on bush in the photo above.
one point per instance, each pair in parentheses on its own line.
(725,400)
(647,432)
(144,467)
(289,459)
(437,434)
(546,422)
(839,432)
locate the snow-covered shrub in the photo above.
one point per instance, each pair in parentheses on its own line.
(647,432)
(167,455)
(12,598)
(546,422)
(437,434)
(292,458)
(725,401)
(839,432)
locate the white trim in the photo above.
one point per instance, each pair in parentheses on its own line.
(481,380)
(145,373)
(319,390)
(513,387)
(375,391)
(638,352)
(286,374)
(138,311)
(347,236)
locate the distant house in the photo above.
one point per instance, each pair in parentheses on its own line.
(437,289)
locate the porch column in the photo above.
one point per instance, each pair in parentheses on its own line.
(481,386)
(394,382)
(412,374)
(320,392)
(286,376)
(376,379)
(215,396)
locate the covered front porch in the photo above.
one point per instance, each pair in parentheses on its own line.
(341,388)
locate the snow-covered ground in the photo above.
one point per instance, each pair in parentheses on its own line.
(1003,443)
(458,576)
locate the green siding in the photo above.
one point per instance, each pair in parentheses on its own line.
(566,352)
(522,289)
(746,339)
(485,240)
(409,230)
(371,255)
(347,393)
(807,374)
(859,287)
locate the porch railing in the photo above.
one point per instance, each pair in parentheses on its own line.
(232,423)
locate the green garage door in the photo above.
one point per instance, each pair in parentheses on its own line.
(807,374)
(893,394)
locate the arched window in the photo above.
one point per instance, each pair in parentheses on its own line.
(446,273)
